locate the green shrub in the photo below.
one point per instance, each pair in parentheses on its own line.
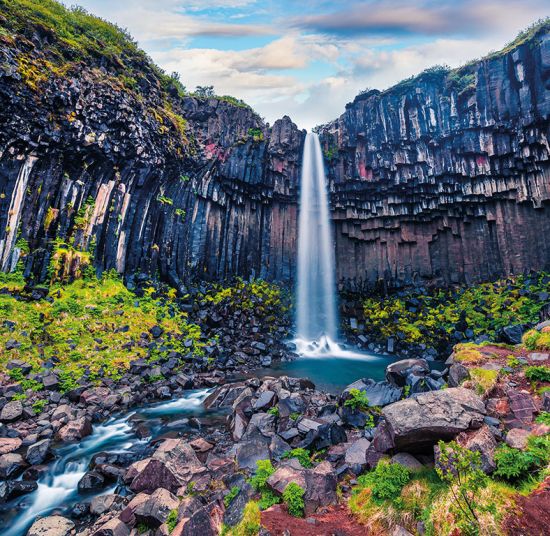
(540,373)
(302,455)
(172,520)
(543,418)
(39,406)
(358,400)
(233,492)
(273,411)
(461,469)
(293,496)
(259,482)
(249,524)
(386,480)
(512,464)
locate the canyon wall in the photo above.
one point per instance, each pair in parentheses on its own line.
(92,171)
(445,178)
(440,179)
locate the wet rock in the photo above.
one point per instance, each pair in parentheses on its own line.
(512,334)
(378,393)
(11,465)
(12,411)
(91,480)
(265,400)
(234,511)
(75,430)
(421,421)
(397,373)
(14,488)
(149,474)
(51,526)
(38,452)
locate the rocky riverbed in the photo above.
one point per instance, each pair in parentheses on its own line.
(196,476)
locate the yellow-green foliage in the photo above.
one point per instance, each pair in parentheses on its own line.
(493,503)
(483,380)
(537,340)
(249,524)
(13,281)
(67,263)
(484,308)
(410,506)
(82,312)
(266,298)
(468,353)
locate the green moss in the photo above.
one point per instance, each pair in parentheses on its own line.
(256,134)
(68,324)
(483,380)
(302,455)
(233,492)
(172,520)
(540,373)
(249,525)
(434,316)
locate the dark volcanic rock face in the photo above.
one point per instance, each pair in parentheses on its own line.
(117,172)
(445,178)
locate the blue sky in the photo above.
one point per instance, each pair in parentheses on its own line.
(307,59)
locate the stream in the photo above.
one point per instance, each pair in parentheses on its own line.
(58,488)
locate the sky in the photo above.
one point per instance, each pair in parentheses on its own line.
(308,58)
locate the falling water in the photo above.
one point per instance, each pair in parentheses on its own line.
(317,320)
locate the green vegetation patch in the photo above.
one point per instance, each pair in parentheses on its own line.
(433,317)
(91,323)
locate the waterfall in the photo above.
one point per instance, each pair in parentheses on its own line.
(317,318)
(316,328)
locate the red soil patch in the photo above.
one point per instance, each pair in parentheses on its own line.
(337,521)
(532,517)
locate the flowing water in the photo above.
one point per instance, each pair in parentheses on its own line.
(317,317)
(58,489)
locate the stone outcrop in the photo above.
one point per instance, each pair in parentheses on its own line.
(446,177)
(139,179)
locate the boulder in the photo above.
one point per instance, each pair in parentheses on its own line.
(38,452)
(11,465)
(407,460)
(149,474)
(378,393)
(287,472)
(10,489)
(517,438)
(419,422)
(155,510)
(113,527)
(51,526)
(75,430)
(397,373)
(105,503)
(320,487)
(511,334)
(247,453)
(91,480)
(9,444)
(356,453)
(482,441)
(12,411)
(521,404)
(457,374)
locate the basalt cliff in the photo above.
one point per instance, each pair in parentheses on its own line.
(105,161)
(445,178)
